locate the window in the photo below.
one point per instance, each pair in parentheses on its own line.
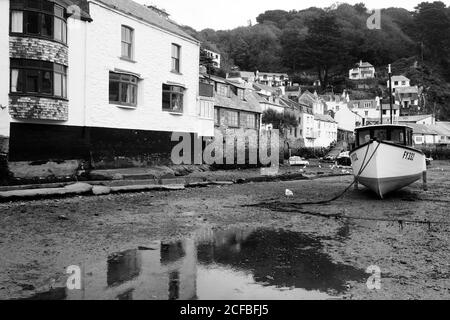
(176,50)
(127,42)
(231,118)
(222,89)
(123,89)
(38,77)
(240,94)
(216,116)
(172,98)
(248,120)
(206,89)
(40,18)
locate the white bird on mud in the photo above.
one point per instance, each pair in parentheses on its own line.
(289,193)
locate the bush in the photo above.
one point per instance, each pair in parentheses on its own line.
(436,152)
(312,153)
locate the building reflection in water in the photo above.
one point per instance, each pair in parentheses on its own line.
(231,264)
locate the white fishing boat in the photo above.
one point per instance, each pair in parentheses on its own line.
(384,159)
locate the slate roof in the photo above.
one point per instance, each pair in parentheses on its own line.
(399,78)
(143,13)
(414,118)
(259,86)
(269,74)
(387,106)
(423,129)
(444,125)
(324,118)
(401,90)
(234,102)
(364,65)
(442,129)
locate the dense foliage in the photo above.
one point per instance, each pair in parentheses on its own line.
(326,42)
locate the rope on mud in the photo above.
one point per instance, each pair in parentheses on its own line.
(361,170)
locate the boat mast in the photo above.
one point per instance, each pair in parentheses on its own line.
(390,92)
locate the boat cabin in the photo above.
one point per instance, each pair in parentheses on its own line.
(397,134)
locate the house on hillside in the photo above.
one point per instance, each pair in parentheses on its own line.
(373,110)
(242,76)
(272,79)
(398,82)
(293,92)
(313,100)
(405,95)
(214,56)
(334,101)
(86,88)
(362,71)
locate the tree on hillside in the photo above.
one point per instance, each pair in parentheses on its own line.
(432,29)
(323,48)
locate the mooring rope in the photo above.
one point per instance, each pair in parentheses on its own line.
(361,170)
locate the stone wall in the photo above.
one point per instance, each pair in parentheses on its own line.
(38,49)
(103,148)
(24,107)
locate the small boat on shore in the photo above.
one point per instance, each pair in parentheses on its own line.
(384,159)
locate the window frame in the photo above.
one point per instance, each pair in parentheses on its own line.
(175,61)
(41,12)
(170,90)
(40,67)
(227,122)
(245,123)
(121,82)
(130,44)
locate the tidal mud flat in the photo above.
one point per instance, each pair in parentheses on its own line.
(258,242)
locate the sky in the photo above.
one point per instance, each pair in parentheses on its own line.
(229,14)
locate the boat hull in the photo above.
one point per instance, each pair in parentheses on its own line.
(391,167)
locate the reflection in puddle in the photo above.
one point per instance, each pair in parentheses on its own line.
(232,264)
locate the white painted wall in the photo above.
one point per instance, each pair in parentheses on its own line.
(153,62)
(4,67)
(420,139)
(326,133)
(347,119)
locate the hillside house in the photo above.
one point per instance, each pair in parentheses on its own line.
(242,76)
(215,57)
(369,111)
(362,71)
(272,79)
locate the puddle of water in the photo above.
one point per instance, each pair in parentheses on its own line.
(230,265)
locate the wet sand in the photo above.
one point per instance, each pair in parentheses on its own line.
(406,236)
